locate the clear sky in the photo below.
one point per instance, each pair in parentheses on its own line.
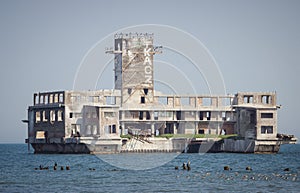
(255,43)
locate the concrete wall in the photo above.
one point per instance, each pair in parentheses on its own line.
(266,124)
(257,115)
(46,118)
(239,146)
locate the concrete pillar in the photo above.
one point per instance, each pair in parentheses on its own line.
(174,128)
(123,129)
(152,130)
(214,101)
(199,102)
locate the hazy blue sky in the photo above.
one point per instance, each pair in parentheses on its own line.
(255,43)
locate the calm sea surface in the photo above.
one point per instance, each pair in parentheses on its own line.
(88,173)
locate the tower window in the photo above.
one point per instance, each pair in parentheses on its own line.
(129,91)
(143,100)
(146,91)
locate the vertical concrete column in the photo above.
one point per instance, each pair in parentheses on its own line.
(174,128)
(123,129)
(199,101)
(192,101)
(122,115)
(219,102)
(214,101)
(152,130)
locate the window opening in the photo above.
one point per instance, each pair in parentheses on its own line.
(51,98)
(46,98)
(45,116)
(61,98)
(266,115)
(41,99)
(114,129)
(148,117)
(129,91)
(143,100)
(146,91)
(141,115)
(52,115)
(37,116)
(266,129)
(59,115)
(56,98)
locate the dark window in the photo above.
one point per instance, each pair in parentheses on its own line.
(201,115)
(71,115)
(178,115)
(113,128)
(266,129)
(266,115)
(129,91)
(155,115)
(142,100)
(141,115)
(146,91)
(148,117)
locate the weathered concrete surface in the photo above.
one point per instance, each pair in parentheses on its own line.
(155,145)
(239,146)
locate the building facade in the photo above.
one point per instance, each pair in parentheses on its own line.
(98,119)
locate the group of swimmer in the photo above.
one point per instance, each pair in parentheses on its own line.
(185,166)
(248,168)
(55,167)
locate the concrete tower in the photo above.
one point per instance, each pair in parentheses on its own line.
(134,67)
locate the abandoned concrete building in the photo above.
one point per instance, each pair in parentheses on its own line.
(96,121)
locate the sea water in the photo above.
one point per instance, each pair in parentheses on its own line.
(19,172)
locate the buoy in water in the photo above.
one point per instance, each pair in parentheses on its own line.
(248,168)
(62,168)
(176,167)
(227,168)
(67,167)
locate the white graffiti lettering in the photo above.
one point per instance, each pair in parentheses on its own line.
(148,65)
